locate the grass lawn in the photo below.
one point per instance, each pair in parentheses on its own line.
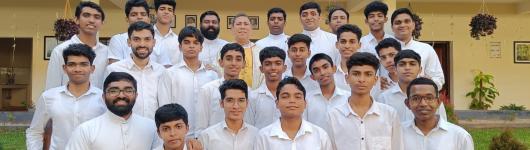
(14,138)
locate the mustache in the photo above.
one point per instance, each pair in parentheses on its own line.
(121,99)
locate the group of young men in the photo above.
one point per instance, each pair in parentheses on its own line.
(154,89)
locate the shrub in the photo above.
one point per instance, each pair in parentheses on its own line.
(513,107)
(505,141)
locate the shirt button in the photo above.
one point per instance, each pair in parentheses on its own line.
(361,122)
(362,138)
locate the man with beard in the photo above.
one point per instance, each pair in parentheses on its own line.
(276,18)
(322,41)
(118,128)
(167,40)
(338,17)
(242,29)
(212,44)
(68,105)
(141,67)
(135,10)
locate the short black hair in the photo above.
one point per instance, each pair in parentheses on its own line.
(79,49)
(90,4)
(317,57)
(299,38)
(271,51)
(119,76)
(136,3)
(235,84)
(289,80)
(310,5)
(401,11)
(171,3)
(139,26)
(361,59)
(209,12)
(190,31)
(407,53)
(422,81)
(170,112)
(350,28)
(232,47)
(374,7)
(276,10)
(338,9)
(386,43)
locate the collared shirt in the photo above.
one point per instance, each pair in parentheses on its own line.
(430,64)
(56,76)
(261,110)
(220,137)
(66,111)
(395,98)
(340,79)
(112,132)
(318,106)
(308,137)
(147,81)
(179,84)
(443,137)
(120,50)
(161,147)
(308,83)
(369,42)
(210,52)
(279,41)
(378,129)
(323,42)
(169,45)
(208,109)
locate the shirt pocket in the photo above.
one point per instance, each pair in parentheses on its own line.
(380,143)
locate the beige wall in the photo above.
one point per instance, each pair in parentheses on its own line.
(449,23)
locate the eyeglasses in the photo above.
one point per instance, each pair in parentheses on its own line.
(117,91)
(427,99)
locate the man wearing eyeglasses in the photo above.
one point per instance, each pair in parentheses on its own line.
(117,128)
(408,67)
(427,130)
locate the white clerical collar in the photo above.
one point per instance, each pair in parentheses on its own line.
(210,41)
(276,37)
(312,33)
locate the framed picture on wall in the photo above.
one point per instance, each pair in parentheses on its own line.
(190,20)
(521,51)
(254,21)
(50,42)
(229,21)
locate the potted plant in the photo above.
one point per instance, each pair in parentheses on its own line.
(483,93)
(482,24)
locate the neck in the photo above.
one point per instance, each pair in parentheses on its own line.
(272,85)
(140,62)
(87,39)
(78,89)
(162,28)
(343,64)
(426,125)
(362,101)
(403,86)
(192,63)
(405,40)
(228,77)
(291,125)
(311,29)
(242,41)
(234,125)
(328,90)
(299,71)
(181,147)
(378,34)
(276,33)
(393,75)
(127,116)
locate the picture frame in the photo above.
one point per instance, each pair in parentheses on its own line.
(190,20)
(254,21)
(521,52)
(50,42)
(229,21)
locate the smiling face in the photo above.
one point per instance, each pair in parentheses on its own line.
(361,79)
(310,19)
(242,28)
(164,14)
(298,53)
(234,104)
(89,21)
(173,134)
(376,20)
(78,69)
(423,102)
(338,18)
(232,63)
(210,27)
(120,97)
(273,68)
(141,43)
(402,26)
(323,72)
(348,44)
(291,102)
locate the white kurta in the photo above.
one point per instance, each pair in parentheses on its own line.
(208,109)
(279,41)
(220,137)
(66,111)
(318,106)
(120,50)
(111,132)
(308,137)
(261,110)
(55,75)
(395,98)
(430,63)
(323,42)
(169,45)
(443,137)
(147,83)
(210,53)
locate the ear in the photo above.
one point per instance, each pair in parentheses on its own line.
(366,20)
(92,68)
(64,68)
(261,68)
(312,77)
(407,103)
(386,19)
(129,41)
(222,104)
(337,45)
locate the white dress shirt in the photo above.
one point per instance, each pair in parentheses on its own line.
(261,110)
(147,81)
(179,84)
(169,45)
(369,42)
(430,63)
(378,129)
(308,137)
(318,106)
(120,50)
(279,41)
(395,98)
(208,109)
(323,42)
(308,83)
(444,136)
(112,132)
(56,77)
(340,79)
(220,137)
(66,111)
(161,147)
(210,53)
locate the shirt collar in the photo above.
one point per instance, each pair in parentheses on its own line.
(347,110)
(289,72)
(225,126)
(370,37)
(117,119)
(76,39)
(403,44)
(169,33)
(312,33)
(441,124)
(183,64)
(91,90)
(277,37)
(263,89)
(396,89)
(277,130)
(337,92)
(129,63)
(207,41)
(248,45)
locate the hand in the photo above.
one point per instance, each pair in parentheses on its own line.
(384,83)
(194,144)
